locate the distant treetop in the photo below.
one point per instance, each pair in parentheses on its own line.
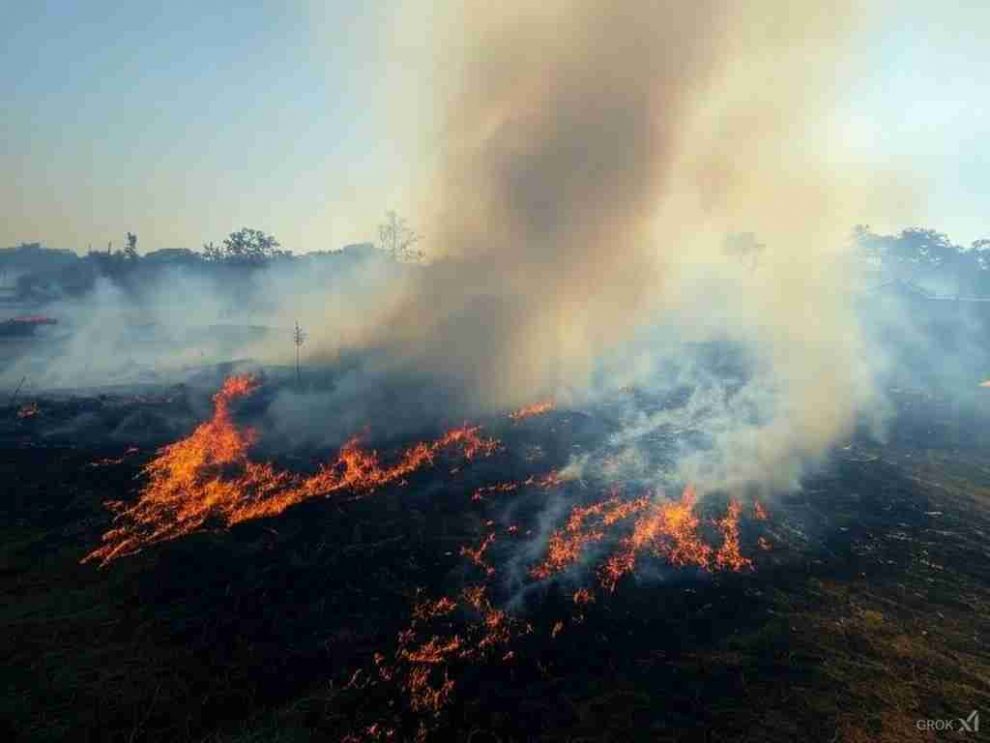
(397,239)
(246,246)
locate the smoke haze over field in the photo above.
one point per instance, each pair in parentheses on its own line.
(608,192)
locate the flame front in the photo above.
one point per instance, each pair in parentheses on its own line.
(209,476)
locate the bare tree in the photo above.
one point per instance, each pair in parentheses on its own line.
(397,239)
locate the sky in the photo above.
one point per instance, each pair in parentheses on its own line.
(182,121)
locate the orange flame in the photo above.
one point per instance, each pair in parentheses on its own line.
(477,554)
(565,546)
(547,481)
(209,476)
(437,643)
(759,511)
(528,411)
(422,667)
(583,596)
(729,556)
(666,529)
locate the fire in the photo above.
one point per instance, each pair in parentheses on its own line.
(444,634)
(464,628)
(729,556)
(209,476)
(528,411)
(425,695)
(28,410)
(432,609)
(669,530)
(432,652)
(477,554)
(547,481)
(448,634)
(583,596)
(503,487)
(112,461)
(759,512)
(585,526)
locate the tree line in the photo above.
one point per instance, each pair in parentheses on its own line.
(31,270)
(923,258)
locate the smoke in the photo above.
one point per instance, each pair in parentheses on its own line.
(614,195)
(592,159)
(168,324)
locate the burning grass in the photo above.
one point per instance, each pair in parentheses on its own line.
(210,477)
(530,411)
(866,614)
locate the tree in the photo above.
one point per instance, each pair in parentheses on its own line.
(130,250)
(397,239)
(929,260)
(211,252)
(246,246)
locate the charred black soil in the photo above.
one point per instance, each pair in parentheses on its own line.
(869,611)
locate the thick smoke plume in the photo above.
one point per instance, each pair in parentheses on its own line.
(594,158)
(639,195)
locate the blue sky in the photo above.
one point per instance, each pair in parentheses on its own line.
(922,103)
(184,120)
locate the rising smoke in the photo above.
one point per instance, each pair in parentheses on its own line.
(592,171)
(593,159)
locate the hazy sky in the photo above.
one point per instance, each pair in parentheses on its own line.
(182,120)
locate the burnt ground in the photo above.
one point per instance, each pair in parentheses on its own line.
(871,610)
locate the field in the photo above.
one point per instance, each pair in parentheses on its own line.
(868,611)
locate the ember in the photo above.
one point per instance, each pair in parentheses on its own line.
(528,411)
(549,480)
(477,554)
